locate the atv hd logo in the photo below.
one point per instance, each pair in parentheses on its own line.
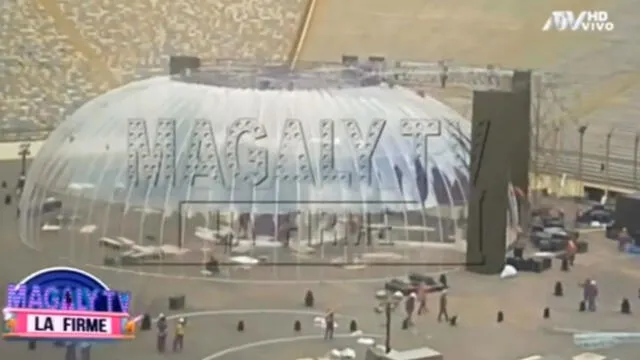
(585,21)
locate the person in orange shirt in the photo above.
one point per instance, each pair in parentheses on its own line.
(11,325)
(130,327)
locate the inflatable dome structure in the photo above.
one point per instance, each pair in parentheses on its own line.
(254,170)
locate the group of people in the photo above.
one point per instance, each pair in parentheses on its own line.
(414,304)
(420,299)
(178,337)
(8,198)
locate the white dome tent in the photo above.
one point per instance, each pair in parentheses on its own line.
(339,158)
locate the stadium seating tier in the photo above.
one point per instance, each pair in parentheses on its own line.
(57,55)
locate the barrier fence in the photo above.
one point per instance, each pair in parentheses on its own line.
(18,135)
(608,170)
(600,171)
(607,160)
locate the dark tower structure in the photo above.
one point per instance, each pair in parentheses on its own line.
(500,137)
(178,64)
(521,136)
(521,131)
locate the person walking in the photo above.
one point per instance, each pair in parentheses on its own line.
(161,325)
(329,325)
(571,251)
(442,310)
(227,240)
(178,340)
(585,289)
(71,351)
(410,307)
(592,295)
(85,351)
(623,240)
(422,299)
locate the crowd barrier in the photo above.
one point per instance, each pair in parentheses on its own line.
(604,172)
(16,135)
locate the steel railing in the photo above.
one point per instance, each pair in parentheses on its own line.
(18,135)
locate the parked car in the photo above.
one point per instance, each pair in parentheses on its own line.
(597,215)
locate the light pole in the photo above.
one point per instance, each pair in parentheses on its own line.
(444,73)
(556,151)
(387,328)
(24,152)
(606,161)
(536,144)
(388,302)
(636,143)
(581,130)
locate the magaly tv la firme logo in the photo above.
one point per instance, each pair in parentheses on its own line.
(62,303)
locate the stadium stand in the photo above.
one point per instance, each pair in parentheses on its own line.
(41,75)
(57,55)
